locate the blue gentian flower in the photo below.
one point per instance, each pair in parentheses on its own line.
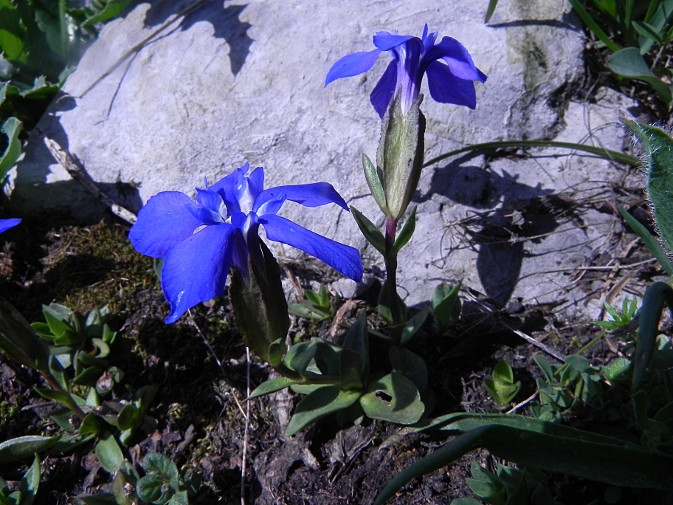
(6,224)
(200,241)
(451,71)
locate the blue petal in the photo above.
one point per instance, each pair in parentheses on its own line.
(428,39)
(385,89)
(352,64)
(341,257)
(386,41)
(228,183)
(457,58)
(196,269)
(256,181)
(211,209)
(447,88)
(308,195)
(164,221)
(6,224)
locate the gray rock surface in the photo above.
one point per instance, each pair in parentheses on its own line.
(157,105)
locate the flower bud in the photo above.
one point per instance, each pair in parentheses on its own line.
(400,154)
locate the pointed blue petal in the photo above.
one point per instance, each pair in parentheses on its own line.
(6,224)
(385,41)
(308,195)
(341,257)
(447,88)
(352,64)
(457,58)
(385,89)
(164,221)
(428,39)
(226,185)
(256,181)
(196,269)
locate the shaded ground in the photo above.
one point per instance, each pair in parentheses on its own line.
(203,376)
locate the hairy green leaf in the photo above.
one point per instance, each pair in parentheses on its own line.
(370,231)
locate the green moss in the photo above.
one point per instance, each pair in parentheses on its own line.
(7,412)
(95,266)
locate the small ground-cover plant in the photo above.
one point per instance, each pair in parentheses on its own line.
(73,355)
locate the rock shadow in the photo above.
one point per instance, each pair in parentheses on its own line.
(32,173)
(508,214)
(224,19)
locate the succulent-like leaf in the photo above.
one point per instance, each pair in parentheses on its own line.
(109,454)
(393,398)
(318,404)
(16,449)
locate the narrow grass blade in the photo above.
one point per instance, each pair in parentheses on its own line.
(616,464)
(503,144)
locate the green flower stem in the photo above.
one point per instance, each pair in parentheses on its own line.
(395,306)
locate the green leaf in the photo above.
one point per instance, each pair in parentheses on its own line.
(30,483)
(409,364)
(549,447)
(659,148)
(370,231)
(259,303)
(406,232)
(318,404)
(649,33)
(110,11)
(446,305)
(616,369)
(393,398)
(544,365)
(374,182)
(354,361)
(628,62)
(489,12)
(130,417)
(591,23)
(150,488)
(109,454)
(271,386)
(16,449)
(18,340)
(656,297)
(414,325)
(650,242)
(153,462)
(11,128)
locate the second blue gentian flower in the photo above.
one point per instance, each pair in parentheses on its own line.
(450,69)
(199,241)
